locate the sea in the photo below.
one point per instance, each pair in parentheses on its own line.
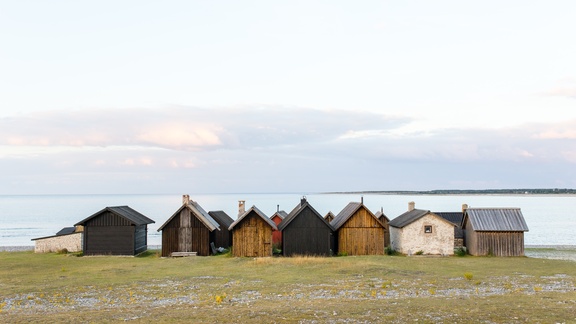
(550,218)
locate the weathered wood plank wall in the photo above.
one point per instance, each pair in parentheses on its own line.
(252,237)
(362,234)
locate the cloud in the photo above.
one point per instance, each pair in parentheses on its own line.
(244,149)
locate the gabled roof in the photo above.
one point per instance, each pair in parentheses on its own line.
(452,217)
(123,211)
(380,214)
(199,212)
(347,212)
(221,217)
(495,219)
(412,216)
(296,211)
(329,215)
(257,212)
(282,214)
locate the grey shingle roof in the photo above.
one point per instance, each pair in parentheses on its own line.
(259,213)
(408,217)
(496,219)
(296,211)
(199,212)
(66,231)
(221,217)
(123,211)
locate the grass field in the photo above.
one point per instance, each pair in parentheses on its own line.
(65,288)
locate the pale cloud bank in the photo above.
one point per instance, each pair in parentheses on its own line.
(240,149)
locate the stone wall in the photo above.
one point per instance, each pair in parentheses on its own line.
(412,238)
(70,242)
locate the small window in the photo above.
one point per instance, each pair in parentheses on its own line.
(428,229)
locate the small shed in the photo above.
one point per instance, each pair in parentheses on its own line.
(252,234)
(494,231)
(358,231)
(223,237)
(421,231)
(189,229)
(118,230)
(306,232)
(68,238)
(329,217)
(277,218)
(384,220)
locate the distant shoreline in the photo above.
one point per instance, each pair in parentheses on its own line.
(465,192)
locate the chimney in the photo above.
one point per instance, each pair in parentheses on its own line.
(411,206)
(185,199)
(241,207)
(277,208)
(464,207)
(362,200)
(303,200)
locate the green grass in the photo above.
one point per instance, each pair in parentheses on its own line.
(62,288)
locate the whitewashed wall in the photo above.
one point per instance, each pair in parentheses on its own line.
(71,242)
(411,238)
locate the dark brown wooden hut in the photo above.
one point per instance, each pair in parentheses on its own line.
(384,220)
(115,231)
(359,232)
(494,231)
(223,237)
(252,234)
(306,232)
(189,229)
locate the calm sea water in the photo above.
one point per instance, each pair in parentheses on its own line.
(550,218)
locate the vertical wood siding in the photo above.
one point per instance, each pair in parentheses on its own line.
(361,235)
(185,233)
(109,240)
(307,234)
(497,243)
(252,237)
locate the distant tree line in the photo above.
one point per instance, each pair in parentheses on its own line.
(468,191)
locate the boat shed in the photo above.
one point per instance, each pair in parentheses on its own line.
(494,231)
(252,234)
(118,230)
(189,229)
(306,232)
(358,231)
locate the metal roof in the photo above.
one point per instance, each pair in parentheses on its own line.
(199,212)
(296,211)
(495,219)
(123,211)
(347,212)
(257,212)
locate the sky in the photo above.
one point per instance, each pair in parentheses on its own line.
(138,97)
